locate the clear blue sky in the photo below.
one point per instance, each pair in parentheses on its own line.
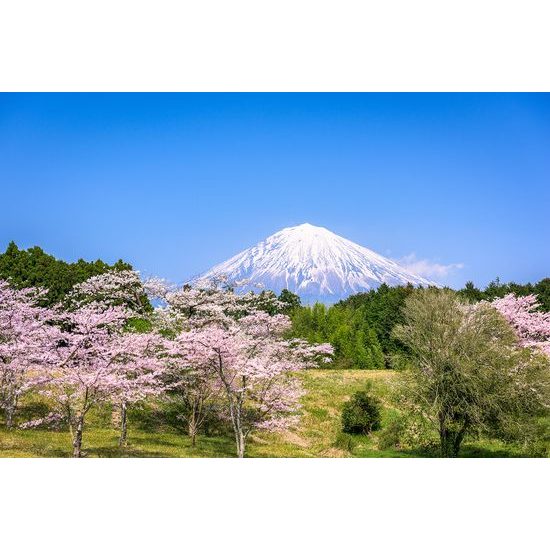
(175,183)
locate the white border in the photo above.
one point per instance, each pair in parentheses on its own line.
(274,503)
(255,45)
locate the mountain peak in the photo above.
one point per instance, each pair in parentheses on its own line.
(305,227)
(313,262)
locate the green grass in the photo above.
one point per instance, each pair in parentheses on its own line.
(317,435)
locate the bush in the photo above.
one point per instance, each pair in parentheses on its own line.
(405,432)
(361,414)
(393,434)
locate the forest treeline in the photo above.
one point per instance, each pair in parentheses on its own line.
(35,268)
(360,327)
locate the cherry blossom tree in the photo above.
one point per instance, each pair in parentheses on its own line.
(99,359)
(83,373)
(531,325)
(26,341)
(230,346)
(189,384)
(254,366)
(95,361)
(115,288)
(138,370)
(213,302)
(142,359)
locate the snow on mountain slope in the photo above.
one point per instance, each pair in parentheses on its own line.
(314,263)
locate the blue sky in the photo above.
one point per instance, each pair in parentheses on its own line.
(455,183)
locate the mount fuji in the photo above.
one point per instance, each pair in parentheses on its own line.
(314,263)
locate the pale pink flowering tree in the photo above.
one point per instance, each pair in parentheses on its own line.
(157,287)
(190,385)
(531,325)
(254,366)
(200,306)
(98,361)
(214,302)
(187,383)
(83,373)
(112,288)
(121,287)
(138,364)
(228,346)
(139,371)
(26,342)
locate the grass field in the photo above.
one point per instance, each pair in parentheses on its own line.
(317,435)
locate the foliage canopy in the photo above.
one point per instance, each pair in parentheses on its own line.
(36,268)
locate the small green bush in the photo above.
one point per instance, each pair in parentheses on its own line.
(402,432)
(393,433)
(361,414)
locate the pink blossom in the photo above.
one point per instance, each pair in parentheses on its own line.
(531,325)
(115,287)
(27,341)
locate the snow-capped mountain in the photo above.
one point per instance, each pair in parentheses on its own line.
(314,263)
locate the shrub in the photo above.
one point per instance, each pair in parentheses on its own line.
(361,414)
(407,432)
(392,435)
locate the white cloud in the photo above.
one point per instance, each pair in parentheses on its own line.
(427,268)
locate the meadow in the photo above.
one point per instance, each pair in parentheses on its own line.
(318,433)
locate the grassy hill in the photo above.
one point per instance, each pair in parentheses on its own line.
(317,435)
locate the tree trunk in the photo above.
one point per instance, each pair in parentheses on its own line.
(459,437)
(451,440)
(123,426)
(241,443)
(447,445)
(192,427)
(9,412)
(240,438)
(9,416)
(77,438)
(235,402)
